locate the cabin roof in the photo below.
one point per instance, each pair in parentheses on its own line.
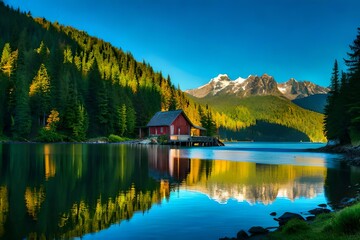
(167,118)
(164,118)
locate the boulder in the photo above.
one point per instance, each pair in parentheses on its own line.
(258,230)
(273,214)
(287,216)
(242,235)
(323,205)
(347,201)
(317,211)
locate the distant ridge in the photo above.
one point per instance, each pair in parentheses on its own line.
(257,86)
(314,102)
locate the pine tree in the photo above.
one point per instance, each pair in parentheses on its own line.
(97,104)
(7,59)
(40,95)
(130,120)
(22,119)
(207,121)
(353,64)
(80,127)
(3,87)
(122,119)
(332,107)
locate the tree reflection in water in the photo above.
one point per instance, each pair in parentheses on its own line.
(68,190)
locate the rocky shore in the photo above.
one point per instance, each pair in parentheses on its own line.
(261,233)
(351,153)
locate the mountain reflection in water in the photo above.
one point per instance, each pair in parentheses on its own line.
(69,190)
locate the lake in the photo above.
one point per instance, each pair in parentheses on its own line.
(116,191)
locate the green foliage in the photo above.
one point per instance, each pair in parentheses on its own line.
(207,121)
(265,132)
(163,139)
(21,124)
(295,226)
(47,135)
(342,121)
(80,126)
(342,225)
(347,221)
(122,119)
(86,79)
(8,59)
(315,103)
(270,109)
(130,120)
(116,138)
(40,94)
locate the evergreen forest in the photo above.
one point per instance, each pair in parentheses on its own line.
(342,112)
(60,84)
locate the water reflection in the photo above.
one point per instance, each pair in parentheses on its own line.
(68,190)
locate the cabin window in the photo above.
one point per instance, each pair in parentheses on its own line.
(161,130)
(155,131)
(178,131)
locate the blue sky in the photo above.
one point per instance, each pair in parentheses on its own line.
(195,40)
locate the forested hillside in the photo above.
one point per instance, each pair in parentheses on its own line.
(271,109)
(314,102)
(60,84)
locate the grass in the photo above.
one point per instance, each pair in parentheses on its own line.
(342,225)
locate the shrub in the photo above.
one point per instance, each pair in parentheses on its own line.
(163,139)
(46,135)
(116,138)
(347,221)
(295,226)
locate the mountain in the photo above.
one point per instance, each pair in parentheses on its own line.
(255,85)
(293,89)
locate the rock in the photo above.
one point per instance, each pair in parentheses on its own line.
(347,201)
(323,205)
(242,235)
(317,211)
(271,228)
(258,230)
(226,238)
(273,214)
(287,216)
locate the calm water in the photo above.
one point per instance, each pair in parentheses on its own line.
(115,191)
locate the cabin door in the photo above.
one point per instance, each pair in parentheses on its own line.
(172,130)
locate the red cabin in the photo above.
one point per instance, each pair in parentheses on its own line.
(174,124)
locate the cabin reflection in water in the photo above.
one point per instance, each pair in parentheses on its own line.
(165,163)
(222,180)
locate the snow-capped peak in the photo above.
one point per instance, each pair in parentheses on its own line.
(240,80)
(220,77)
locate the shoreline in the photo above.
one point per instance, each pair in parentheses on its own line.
(307,218)
(351,153)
